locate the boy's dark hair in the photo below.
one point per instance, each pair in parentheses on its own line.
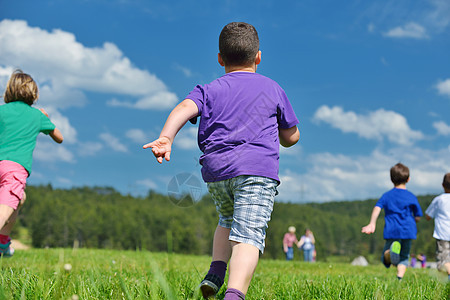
(238,44)
(446,181)
(399,174)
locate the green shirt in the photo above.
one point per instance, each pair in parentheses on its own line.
(20,125)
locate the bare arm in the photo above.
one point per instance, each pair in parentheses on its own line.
(285,247)
(370,228)
(417,219)
(162,147)
(289,137)
(313,240)
(427,217)
(56,135)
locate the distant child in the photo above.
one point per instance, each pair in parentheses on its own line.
(244,117)
(20,125)
(402,211)
(289,240)
(413,260)
(439,209)
(307,244)
(423,260)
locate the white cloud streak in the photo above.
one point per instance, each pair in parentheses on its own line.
(137,135)
(443,87)
(113,142)
(187,138)
(49,151)
(89,148)
(409,30)
(375,125)
(442,128)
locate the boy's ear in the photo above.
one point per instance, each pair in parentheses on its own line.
(258,58)
(220,60)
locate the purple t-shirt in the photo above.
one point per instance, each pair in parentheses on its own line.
(400,207)
(240,114)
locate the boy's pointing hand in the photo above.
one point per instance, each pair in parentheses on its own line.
(161,148)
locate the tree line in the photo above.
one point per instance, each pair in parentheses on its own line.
(101,217)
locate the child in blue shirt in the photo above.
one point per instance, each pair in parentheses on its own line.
(402,211)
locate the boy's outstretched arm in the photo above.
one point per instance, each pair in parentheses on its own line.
(162,147)
(56,135)
(289,137)
(370,228)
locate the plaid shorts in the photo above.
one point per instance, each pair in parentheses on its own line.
(442,253)
(245,204)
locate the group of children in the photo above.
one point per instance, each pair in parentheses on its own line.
(402,212)
(244,117)
(306,244)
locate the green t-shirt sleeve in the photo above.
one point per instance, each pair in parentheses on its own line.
(46,125)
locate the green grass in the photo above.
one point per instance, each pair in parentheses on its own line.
(112,274)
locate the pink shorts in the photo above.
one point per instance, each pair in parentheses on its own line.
(13,179)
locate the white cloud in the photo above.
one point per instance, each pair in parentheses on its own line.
(160,101)
(409,30)
(442,128)
(113,142)
(65,68)
(439,16)
(376,125)
(5,73)
(184,70)
(148,184)
(49,151)
(187,138)
(137,135)
(443,87)
(89,148)
(331,177)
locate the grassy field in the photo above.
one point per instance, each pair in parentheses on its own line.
(109,274)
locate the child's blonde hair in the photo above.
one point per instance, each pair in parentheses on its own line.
(21,87)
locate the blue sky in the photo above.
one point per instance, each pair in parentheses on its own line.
(369,81)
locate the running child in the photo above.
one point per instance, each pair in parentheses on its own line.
(20,125)
(401,212)
(244,117)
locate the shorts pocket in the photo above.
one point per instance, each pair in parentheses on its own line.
(18,187)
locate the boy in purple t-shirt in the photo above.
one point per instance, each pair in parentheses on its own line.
(401,212)
(244,117)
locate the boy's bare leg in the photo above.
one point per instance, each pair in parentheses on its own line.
(401,269)
(7,226)
(221,244)
(5,213)
(447,268)
(243,262)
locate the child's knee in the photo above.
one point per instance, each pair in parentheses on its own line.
(22,201)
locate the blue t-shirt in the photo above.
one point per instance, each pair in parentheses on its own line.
(240,114)
(400,207)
